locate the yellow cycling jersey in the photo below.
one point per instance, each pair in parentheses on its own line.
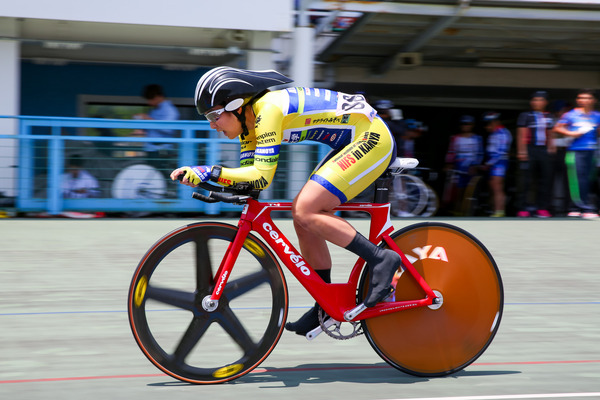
(293,115)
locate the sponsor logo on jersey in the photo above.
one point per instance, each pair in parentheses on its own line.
(346,161)
(260,183)
(294,137)
(266,135)
(247,154)
(267,151)
(330,120)
(227,182)
(267,160)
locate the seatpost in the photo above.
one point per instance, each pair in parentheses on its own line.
(382,185)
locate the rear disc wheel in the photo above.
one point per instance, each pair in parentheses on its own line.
(440,339)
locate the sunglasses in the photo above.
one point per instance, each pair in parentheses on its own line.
(214,116)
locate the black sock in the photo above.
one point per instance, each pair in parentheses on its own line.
(382,264)
(325,274)
(366,250)
(310,320)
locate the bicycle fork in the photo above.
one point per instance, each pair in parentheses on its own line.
(211,302)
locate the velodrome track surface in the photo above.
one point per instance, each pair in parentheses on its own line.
(64,332)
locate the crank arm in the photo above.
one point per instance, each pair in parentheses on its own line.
(315,332)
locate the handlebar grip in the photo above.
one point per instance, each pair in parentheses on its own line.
(206,199)
(227,198)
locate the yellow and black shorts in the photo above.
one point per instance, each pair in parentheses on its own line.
(349,170)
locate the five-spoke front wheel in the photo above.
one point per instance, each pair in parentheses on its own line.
(175,331)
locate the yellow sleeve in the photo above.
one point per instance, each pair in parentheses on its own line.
(259,149)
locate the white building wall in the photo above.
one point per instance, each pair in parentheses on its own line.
(265,15)
(9,105)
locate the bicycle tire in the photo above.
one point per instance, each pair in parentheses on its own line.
(432,204)
(408,195)
(431,342)
(184,340)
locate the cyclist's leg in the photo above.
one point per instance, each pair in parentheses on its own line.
(344,176)
(314,221)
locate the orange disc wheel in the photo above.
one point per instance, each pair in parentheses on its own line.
(440,339)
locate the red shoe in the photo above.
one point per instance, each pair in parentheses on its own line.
(543,214)
(523,214)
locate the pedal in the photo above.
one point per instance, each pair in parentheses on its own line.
(318,330)
(352,314)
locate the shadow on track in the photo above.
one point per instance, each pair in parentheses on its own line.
(332,372)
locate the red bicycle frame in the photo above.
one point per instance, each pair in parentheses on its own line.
(334,298)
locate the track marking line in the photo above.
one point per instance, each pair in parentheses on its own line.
(512,396)
(263,370)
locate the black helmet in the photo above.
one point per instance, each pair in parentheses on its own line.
(233,88)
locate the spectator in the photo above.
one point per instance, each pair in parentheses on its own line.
(77,183)
(560,184)
(498,145)
(414,130)
(535,147)
(464,156)
(393,119)
(581,124)
(162,110)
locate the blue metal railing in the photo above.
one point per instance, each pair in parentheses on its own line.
(197,144)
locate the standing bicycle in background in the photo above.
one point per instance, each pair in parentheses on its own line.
(463,159)
(238,103)
(535,149)
(498,146)
(581,124)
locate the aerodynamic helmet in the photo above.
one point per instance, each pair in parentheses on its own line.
(233,88)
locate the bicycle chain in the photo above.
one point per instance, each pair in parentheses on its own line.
(334,330)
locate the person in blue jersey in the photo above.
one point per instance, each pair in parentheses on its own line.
(162,109)
(497,149)
(239,103)
(464,156)
(535,147)
(581,125)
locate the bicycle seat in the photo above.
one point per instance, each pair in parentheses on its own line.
(404,163)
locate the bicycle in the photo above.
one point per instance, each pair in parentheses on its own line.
(412,197)
(444,312)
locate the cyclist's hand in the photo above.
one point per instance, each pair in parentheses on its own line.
(192,176)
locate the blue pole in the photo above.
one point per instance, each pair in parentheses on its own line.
(55,169)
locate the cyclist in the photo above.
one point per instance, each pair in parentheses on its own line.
(498,146)
(238,103)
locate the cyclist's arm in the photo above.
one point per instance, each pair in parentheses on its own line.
(260,152)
